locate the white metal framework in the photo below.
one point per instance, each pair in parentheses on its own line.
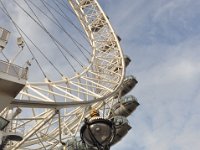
(56,109)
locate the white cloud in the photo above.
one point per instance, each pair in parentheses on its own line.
(162,38)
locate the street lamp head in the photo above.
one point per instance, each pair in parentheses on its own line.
(98,132)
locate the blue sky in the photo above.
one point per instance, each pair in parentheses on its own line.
(162,38)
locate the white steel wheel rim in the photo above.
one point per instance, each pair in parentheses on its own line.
(94,87)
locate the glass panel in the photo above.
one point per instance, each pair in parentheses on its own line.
(3,123)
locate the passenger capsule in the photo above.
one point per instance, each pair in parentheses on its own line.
(128,84)
(119,38)
(74,144)
(122,127)
(125,107)
(127,60)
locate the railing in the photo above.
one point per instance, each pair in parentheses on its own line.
(13,70)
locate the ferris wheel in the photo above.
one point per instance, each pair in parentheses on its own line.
(63,88)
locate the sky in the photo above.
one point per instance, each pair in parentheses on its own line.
(162,38)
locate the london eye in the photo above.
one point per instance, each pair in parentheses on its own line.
(63,80)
